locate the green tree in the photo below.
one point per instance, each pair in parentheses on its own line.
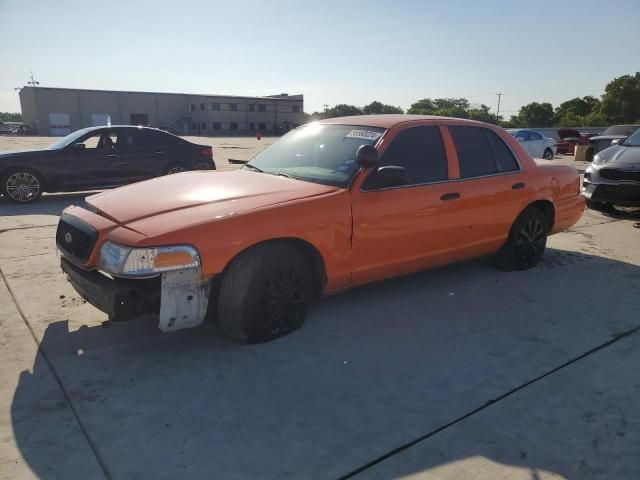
(377,108)
(595,119)
(621,99)
(10,117)
(570,119)
(577,106)
(482,114)
(341,110)
(536,114)
(445,107)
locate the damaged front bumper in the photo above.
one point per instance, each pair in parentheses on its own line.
(178,298)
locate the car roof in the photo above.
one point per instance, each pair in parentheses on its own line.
(137,127)
(391,120)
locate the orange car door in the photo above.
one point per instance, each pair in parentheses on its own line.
(399,229)
(492,188)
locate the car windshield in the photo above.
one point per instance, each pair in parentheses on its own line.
(317,153)
(68,140)
(620,130)
(632,140)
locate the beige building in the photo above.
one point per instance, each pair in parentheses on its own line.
(59,111)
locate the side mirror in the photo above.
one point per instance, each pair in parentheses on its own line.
(78,147)
(520,139)
(616,141)
(388,176)
(366,156)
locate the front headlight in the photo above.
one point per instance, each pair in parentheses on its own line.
(599,160)
(127,261)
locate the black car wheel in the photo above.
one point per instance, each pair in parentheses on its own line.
(174,168)
(607,208)
(526,242)
(265,293)
(21,186)
(548,154)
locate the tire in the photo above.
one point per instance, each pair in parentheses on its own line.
(175,168)
(607,208)
(548,154)
(201,166)
(21,185)
(265,293)
(526,242)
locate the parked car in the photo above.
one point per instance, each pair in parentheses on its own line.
(331,205)
(610,136)
(98,158)
(613,178)
(534,143)
(569,138)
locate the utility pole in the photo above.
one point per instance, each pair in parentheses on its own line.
(326,106)
(499,94)
(33,81)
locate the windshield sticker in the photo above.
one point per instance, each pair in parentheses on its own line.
(363,134)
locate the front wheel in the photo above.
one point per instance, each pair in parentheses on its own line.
(548,154)
(265,293)
(607,208)
(526,242)
(22,186)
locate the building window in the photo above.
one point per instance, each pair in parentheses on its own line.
(233,126)
(262,126)
(215,107)
(193,107)
(216,125)
(233,107)
(252,126)
(262,108)
(252,107)
(194,126)
(202,106)
(295,109)
(204,125)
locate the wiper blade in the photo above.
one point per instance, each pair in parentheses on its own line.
(287,175)
(253,167)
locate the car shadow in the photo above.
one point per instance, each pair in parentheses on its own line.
(372,369)
(48,204)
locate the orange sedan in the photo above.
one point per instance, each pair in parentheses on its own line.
(331,205)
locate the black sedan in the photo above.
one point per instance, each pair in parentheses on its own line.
(97,158)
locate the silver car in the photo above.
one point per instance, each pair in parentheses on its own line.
(613,178)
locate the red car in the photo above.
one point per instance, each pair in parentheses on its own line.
(569,138)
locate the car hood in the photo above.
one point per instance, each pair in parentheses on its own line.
(619,155)
(197,197)
(23,153)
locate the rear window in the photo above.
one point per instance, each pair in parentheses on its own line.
(481,152)
(620,130)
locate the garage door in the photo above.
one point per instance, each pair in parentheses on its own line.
(98,119)
(60,124)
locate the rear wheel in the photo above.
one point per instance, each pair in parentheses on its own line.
(21,185)
(265,293)
(526,242)
(602,207)
(174,168)
(548,154)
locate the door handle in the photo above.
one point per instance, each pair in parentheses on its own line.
(159,152)
(120,164)
(112,155)
(517,186)
(450,196)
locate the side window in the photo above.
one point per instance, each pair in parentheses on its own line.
(102,141)
(523,134)
(142,141)
(474,153)
(534,136)
(503,156)
(421,152)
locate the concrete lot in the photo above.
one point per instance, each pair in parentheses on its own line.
(460,372)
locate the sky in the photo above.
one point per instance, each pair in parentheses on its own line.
(348,51)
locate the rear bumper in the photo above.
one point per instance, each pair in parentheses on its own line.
(623,195)
(119,299)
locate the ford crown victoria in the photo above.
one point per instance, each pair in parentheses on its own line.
(331,205)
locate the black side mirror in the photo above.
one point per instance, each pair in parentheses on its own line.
(367,156)
(78,147)
(388,176)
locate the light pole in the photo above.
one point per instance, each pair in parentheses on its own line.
(498,112)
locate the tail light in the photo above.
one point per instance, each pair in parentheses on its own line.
(207,152)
